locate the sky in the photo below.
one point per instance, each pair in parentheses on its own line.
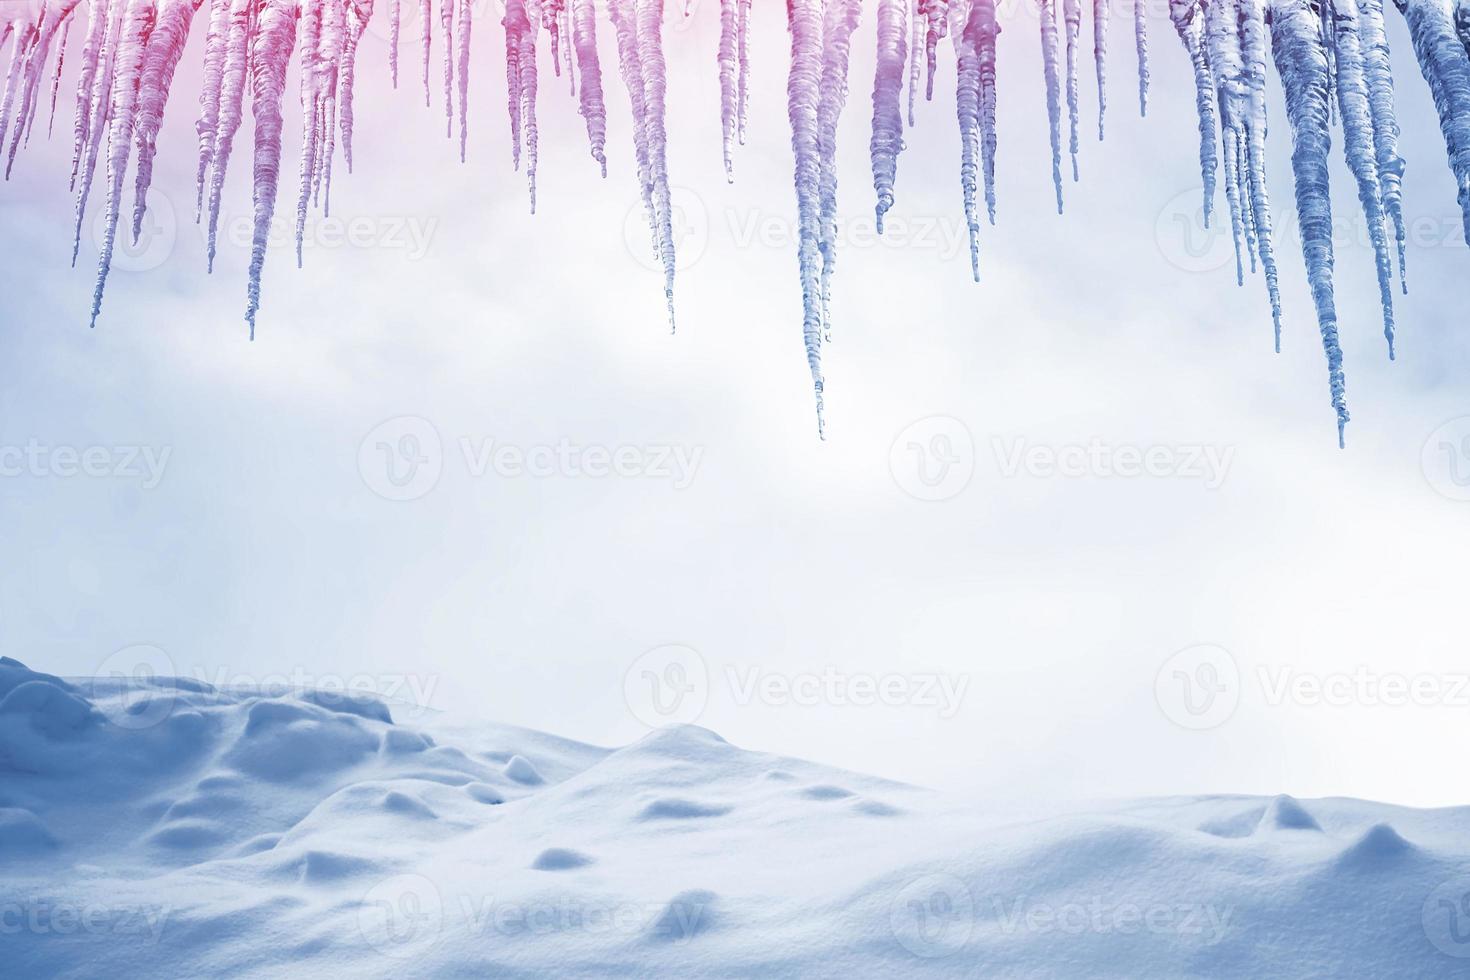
(1075,531)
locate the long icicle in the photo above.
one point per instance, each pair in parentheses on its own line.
(463,29)
(802,97)
(887,139)
(395,29)
(1445,63)
(526,62)
(1049,56)
(270,53)
(1357,135)
(426,42)
(985,30)
(1140,45)
(916,67)
(446,28)
(1072,20)
(726,59)
(649,23)
(100,109)
(594,112)
(1187,17)
(743,53)
(56,78)
(165,47)
(1385,122)
(134,30)
(967,109)
(936,12)
(231,111)
(1222,48)
(215,45)
(1301,60)
(839,22)
(631,70)
(1253,43)
(1101,11)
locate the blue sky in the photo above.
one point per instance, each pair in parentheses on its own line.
(269,546)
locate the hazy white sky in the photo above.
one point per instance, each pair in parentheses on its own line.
(1046,605)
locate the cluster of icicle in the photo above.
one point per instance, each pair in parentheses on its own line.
(1331,57)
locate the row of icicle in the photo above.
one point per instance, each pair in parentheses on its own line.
(1331,56)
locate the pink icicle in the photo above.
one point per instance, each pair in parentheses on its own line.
(726,59)
(655,84)
(135,30)
(887,139)
(802,98)
(275,36)
(159,61)
(446,27)
(839,22)
(466,23)
(594,112)
(215,42)
(229,111)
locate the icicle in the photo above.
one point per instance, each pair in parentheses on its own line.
(1072,19)
(426,39)
(726,59)
(99,14)
(743,50)
(270,53)
(313,67)
(215,44)
(967,109)
(165,47)
(360,12)
(32,47)
(466,25)
(518,18)
(230,111)
(887,141)
(568,54)
(551,20)
(514,13)
(805,19)
(651,57)
(25,36)
(1101,11)
(984,29)
(1357,134)
(1253,55)
(920,25)
(584,33)
(1301,60)
(630,67)
(56,78)
(1222,48)
(1140,43)
(1385,121)
(134,30)
(446,27)
(1186,17)
(839,23)
(395,16)
(1049,54)
(100,109)
(1444,61)
(937,13)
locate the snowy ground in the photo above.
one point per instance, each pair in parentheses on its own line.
(189,832)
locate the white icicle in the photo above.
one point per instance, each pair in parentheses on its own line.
(1385,121)
(1140,44)
(270,53)
(802,99)
(1301,60)
(1445,63)
(1357,134)
(887,139)
(1187,16)
(1072,20)
(1101,11)
(1049,56)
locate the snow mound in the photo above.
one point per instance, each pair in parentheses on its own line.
(271,834)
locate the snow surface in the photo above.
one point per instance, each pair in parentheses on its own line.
(169,829)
